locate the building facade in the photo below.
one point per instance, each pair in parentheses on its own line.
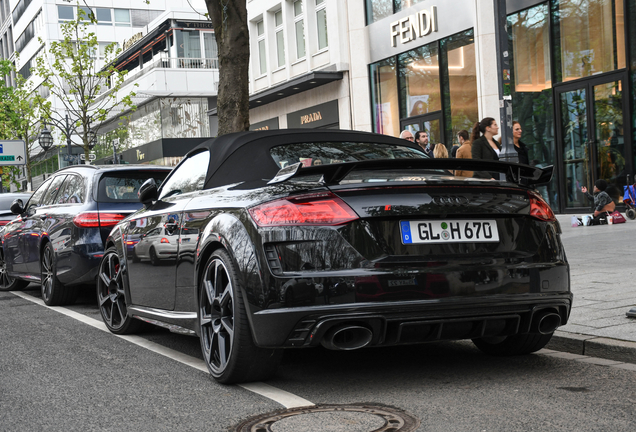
(173,70)
(434,67)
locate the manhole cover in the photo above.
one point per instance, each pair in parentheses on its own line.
(336,418)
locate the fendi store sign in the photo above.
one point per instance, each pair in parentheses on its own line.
(414,26)
(419,25)
(315,117)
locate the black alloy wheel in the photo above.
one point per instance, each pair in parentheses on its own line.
(53,292)
(112,297)
(226,340)
(518,344)
(7,283)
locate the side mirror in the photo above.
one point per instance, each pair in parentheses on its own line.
(148,192)
(17,207)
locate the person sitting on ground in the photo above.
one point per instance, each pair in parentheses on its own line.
(603,203)
(407,135)
(440,151)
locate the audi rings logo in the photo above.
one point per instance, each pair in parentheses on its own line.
(450,200)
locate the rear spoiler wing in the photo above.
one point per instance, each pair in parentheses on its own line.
(334,173)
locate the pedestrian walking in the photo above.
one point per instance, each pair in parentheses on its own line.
(484,146)
(407,135)
(421,138)
(440,151)
(464,152)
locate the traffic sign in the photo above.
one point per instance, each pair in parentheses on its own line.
(91,156)
(12,152)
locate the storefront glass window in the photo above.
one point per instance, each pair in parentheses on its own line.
(419,81)
(378,9)
(592,37)
(460,84)
(532,101)
(184,118)
(631,6)
(403,4)
(384,88)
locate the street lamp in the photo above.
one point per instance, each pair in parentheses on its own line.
(115,145)
(46,139)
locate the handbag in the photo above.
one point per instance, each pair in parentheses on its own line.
(617,217)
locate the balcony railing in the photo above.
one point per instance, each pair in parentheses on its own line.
(173,63)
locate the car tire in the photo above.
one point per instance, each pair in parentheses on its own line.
(53,292)
(154,260)
(518,344)
(134,256)
(226,340)
(7,283)
(111,296)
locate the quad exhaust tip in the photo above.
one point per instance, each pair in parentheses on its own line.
(546,322)
(347,337)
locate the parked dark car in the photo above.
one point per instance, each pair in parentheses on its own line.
(58,236)
(6,199)
(376,246)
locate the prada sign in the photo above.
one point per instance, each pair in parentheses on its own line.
(314,117)
(411,27)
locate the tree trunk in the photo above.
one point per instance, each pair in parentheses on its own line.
(229,18)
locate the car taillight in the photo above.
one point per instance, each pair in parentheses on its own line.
(315,209)
(540,209)
(96,219)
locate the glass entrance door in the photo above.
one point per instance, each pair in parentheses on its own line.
(593,146)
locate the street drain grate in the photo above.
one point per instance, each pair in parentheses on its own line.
(362,417)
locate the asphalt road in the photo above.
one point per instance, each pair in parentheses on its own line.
(58,373)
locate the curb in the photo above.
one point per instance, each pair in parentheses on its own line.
(593,346)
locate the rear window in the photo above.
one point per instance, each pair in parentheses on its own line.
(324,153)
(122,186)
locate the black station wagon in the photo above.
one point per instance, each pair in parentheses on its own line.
(58,237)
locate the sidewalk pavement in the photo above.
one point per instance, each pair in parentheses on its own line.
(603,281)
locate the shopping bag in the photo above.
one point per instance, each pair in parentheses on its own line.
(587,220)
(617,217)
(576,221)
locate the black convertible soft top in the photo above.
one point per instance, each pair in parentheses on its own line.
(244,157)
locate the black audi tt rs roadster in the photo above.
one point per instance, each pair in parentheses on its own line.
(292,239)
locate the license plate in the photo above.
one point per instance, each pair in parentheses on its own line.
(449,231)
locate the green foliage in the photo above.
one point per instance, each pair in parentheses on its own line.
(20,113)
(86,85)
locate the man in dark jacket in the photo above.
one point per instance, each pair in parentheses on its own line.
(421,138)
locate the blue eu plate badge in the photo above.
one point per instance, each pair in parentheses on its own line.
(405,228)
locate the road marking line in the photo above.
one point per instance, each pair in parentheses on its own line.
(286,399)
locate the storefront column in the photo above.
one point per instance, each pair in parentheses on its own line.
(487,74)
(359,69)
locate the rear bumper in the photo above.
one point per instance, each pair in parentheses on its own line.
(410,322)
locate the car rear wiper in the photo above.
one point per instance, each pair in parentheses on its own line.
(334,173)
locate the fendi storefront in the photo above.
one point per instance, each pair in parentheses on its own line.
(572,92)
(573,71)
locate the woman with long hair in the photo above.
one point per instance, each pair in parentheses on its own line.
(484,146)
(522,150)
(440,151)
